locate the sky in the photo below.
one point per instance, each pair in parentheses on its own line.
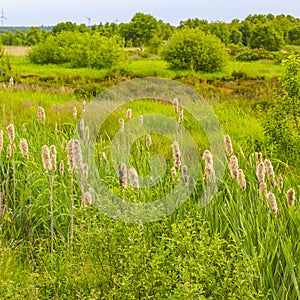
(51,12)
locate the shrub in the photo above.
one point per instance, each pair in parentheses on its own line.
(194,49)
(254,54)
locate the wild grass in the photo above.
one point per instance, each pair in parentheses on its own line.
(234,248)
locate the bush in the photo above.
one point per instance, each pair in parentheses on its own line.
(78,50)
(194,49)
(254,54)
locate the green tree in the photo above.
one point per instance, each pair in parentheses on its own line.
(282,125)
(294,35)
(221,30)
(64,26)
(33,36)
(194,49)
(266,36)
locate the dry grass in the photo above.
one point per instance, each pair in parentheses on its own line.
(16,50)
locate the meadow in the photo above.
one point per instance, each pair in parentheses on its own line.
(57,243)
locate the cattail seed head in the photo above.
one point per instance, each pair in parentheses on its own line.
(228,145)
(262,190)
(185,174)
(83,105)
(234,166)
(87,199)
(53,157)
(291,196)
(269,168)
(141,120)
(208,157)
(129,113)
(173,173)
(70,151)
(259,156)
(77,154)
(209,172)
(41,114)
(260,172)
(24,148)
(46,158)
(85,170)
(134,178)
(75,112)
(1,140)
(11,132)
(241,179)
(280,179)
(61,168)
(123,175)
(122,124)
(81,125)
(148,141)
(272,199)
(9,151)
(175,105)
(176,154)
(11,82)
(180,120)
(104,157)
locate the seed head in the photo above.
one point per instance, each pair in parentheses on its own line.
(259,156)
(134,178)
(272,199)
(41,114)
(234,166)
(24,148)
(61,167)
(262,190)
(70,151)
(176,154)
(173,173)
(185,174)
(241,179)
(123,175)
(77,154)
(180,120)
(11,132)
(81,125)
(9,151)
(228,145)
(129,113)
(148,141)
(83,105)
(104,158)
(1,140)
(141,120)
(85,170)
(209,172)
(46,158)
(87,199)
(75,112)
(53,157)
(122,124)
(208,157)
(291,196)
(260,172)
(175,105)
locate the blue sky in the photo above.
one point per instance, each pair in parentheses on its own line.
(51,12)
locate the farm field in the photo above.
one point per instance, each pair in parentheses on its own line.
(244,244)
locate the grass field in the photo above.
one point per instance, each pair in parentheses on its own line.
(243,245)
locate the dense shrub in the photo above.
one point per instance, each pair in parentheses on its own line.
(78,50)
(194,49)
(254,54)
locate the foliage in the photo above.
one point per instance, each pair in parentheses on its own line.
(266,36)
(193,49)
(249,54)
(282,124)
(6,67)
(78,50)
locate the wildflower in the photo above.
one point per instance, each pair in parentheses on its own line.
(234,166)
(133,178)
(24,148)
(228,145)
(291,196)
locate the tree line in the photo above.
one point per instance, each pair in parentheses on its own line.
(144,30)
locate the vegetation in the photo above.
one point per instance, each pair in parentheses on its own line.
(244,244)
